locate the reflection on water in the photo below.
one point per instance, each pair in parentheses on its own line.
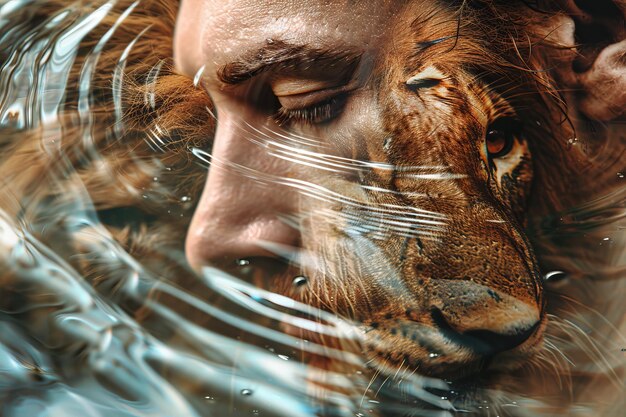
(92,325)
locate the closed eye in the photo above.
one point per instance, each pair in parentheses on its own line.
(316,114)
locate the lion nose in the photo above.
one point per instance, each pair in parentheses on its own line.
(498,342)
(243,206)
(485,320)
(484,342)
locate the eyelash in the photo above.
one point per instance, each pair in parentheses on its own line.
(317,114)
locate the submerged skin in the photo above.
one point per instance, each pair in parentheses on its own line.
(446,290)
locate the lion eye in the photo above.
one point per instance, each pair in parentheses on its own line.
(501,138)
(499,143)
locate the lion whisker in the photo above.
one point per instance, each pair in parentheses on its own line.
(372,379)
(587,345)
(614,330)
(552,346)
(554,364)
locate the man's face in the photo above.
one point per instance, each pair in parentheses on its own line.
(325,39)
(353,148)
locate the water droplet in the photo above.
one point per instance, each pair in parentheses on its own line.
(155,179)
(606,239)
(538,122)
(185,198)
(620,175)
(144,196)
(433,355)
(198,76)
(387,143)
(243,262)
(246,392)
(554,276)
(284,357)
(300,280)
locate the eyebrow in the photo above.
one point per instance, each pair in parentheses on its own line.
(282,56)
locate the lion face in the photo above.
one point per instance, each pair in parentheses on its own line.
(459,283)
(394,178)
(424,245)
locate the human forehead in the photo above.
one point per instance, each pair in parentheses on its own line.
(211,33)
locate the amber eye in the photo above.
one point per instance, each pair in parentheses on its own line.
(498,143)
(501,137)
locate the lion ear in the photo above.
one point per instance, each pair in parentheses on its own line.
(595,30)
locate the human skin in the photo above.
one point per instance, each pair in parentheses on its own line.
(234,213)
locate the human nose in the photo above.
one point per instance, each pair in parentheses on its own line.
(237,213)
